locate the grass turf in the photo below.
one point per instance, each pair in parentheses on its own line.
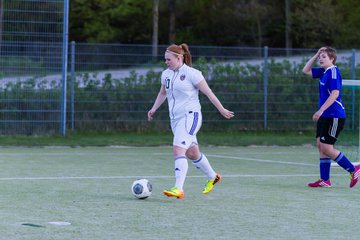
(160,139)
(263,195)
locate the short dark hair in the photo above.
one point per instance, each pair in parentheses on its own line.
(331,52)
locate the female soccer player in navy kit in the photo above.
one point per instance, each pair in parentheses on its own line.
(180,85)
(330,116)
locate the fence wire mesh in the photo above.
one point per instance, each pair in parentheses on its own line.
(112,86)
(31,33)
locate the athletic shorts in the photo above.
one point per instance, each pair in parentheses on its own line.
(328,129)
(186,128)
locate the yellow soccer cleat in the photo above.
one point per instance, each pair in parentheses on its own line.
(210,184)
(174,192)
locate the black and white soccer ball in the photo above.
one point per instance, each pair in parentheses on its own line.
(141,188)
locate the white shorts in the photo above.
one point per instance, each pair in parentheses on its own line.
(185,129)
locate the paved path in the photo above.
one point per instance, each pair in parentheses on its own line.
(121,74)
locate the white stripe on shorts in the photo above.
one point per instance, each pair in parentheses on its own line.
(334,127)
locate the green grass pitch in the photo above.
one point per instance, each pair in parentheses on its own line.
(263,195)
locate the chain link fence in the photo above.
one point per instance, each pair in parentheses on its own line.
(111,87)
(265,87)
(31,47)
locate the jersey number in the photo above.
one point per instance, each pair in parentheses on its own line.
(167,83)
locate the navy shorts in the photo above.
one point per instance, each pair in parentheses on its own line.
(328,129)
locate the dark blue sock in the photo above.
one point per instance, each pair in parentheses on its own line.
(325,164)
(344,163)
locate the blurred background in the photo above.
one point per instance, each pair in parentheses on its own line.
(95,65)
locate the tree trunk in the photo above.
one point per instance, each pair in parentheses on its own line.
(155,30)
(172,35)
(1,22)
(288,43)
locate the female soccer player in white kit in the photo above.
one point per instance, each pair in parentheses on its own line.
(180,85)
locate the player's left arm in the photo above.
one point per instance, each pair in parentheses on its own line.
(205,89)
(329,101)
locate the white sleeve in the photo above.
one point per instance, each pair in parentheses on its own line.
(197,77)
(162,78)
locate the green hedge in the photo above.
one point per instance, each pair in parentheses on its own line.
(111,104)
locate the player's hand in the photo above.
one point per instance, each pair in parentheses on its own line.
(227,114)
(317,115)
(150,114)
(320,51)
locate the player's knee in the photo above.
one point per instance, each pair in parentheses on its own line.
(193,154)
(178,151)
(326,149)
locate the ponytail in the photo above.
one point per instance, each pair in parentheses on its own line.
(182,50)
(187,55)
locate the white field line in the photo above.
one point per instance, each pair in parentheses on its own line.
(94,152)
(157,177)
(163,176)
(263,160)
(156,154)
(122,153)
(161,154)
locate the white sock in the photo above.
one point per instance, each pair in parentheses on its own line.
(204,166)
(181,168)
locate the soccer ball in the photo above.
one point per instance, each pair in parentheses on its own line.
(141,188)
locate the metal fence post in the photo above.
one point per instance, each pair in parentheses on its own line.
(353,64)
(64,68)
(72,83)
(265,71)
(353,76)
(353,89)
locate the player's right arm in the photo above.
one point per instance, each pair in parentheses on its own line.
(311,62)
(159,100)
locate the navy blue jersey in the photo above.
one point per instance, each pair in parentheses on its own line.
(330,80)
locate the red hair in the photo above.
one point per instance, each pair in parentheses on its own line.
(181,50)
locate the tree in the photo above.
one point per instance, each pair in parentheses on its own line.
(288,43)
(212,22)
(155,29)
(126,21)
(258,14)
(348,35)
(255,23)
(172,20)
(315,23)
(1,21)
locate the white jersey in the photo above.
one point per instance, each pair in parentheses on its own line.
(181,91)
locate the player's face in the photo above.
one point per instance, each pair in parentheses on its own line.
(172,61)
(325,61)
